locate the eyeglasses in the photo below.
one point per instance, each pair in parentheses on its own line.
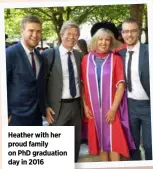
(72,35)
(133,31)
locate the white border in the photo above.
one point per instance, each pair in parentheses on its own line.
(47,3)
(3,90)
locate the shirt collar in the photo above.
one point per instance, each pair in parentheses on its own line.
(26,49)
(135,48)
(63,50)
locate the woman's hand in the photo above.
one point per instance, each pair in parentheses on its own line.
(110,116)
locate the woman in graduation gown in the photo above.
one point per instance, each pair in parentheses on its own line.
(104,99)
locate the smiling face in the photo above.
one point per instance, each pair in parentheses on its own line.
(103,43)
(130,33)
(70,37)
(31,34)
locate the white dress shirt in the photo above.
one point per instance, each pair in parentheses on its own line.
(138,92)
(30,59)
(64,62)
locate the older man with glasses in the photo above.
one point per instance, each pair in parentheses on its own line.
(63,106)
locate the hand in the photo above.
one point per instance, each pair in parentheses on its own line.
(9,118)
(110,116)
(49,115)
(87,112)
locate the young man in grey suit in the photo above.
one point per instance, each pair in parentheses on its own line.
(136,64)
(25,77)
(63,88)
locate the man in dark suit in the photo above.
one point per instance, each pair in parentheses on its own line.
(136,64)
(25,77)
(63,87)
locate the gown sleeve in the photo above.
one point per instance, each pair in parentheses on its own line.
(83,70)
(119,70)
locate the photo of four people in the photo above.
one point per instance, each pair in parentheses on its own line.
(101,87)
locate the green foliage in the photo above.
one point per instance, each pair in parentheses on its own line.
(12,23)
(53,17)
(112,13)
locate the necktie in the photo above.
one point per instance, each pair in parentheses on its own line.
(129,71)
(33,63)
(72,85)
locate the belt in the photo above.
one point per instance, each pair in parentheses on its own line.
(69,100)
(139,101)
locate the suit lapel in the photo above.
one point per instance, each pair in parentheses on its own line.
(58,63)
(38,56)
(141,58)
(123,54)
(25,60)
(39,59)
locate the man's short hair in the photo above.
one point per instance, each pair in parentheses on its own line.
(30,19)
(130,20)
(69,24)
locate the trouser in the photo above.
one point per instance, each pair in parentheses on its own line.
(140,118)
(70,115)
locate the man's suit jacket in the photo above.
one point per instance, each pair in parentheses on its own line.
(143,66)
(25,92)
(54,86)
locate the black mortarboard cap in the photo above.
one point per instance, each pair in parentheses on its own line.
(6,36)
(107,25)
(119,27)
